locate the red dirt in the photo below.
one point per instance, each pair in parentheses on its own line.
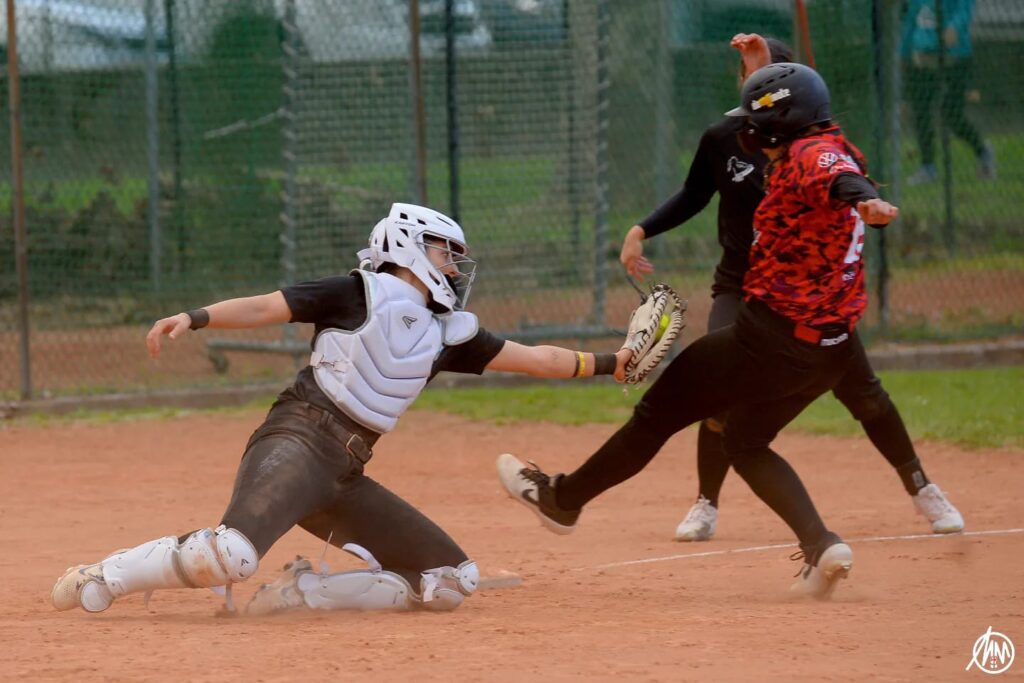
(911,609)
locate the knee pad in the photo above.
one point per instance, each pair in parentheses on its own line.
(445,588)
(375,588)
(206,558)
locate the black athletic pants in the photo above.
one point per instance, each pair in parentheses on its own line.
(923,85)
(758,371)
(296,470)
(859,390)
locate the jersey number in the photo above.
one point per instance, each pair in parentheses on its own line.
(857,244)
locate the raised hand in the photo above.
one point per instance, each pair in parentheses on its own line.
(753,50)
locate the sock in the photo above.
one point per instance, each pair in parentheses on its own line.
(889,435)
(712,463)
(913,477)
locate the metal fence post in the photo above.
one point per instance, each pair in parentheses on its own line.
(452,92)
(416,95)
(892,138)
(177,218)
(948,234)
(289,193)
(572,189)
(662,110)
(153,146)
(601,180)
(18,199)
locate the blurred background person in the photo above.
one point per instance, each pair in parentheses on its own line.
(927,79)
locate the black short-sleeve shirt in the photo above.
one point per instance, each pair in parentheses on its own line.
(339,302)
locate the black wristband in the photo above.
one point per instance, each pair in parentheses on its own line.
(200,318)
(605,363)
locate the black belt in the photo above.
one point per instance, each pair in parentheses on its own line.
(831,334)
(355,438)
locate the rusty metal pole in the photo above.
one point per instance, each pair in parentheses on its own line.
(18,199)
(416,91)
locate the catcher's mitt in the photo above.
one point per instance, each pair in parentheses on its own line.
(653,327)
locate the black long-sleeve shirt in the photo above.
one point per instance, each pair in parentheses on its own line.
(721,165)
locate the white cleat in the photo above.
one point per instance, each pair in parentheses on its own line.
(820,579)
(82,586)
(699,523)
(283,595)
(932,503)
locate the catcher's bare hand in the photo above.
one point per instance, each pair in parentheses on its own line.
(622,356)
(877,211)
(753,50)
(632,255)
(173,327)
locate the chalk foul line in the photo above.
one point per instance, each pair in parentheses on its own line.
(781,546)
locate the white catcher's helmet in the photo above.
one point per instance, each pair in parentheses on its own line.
(401,239)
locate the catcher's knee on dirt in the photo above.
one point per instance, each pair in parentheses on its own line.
(373,588)
(204,559)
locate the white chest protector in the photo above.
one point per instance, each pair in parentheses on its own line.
(375,372)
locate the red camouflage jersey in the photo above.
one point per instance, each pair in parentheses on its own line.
(805,261)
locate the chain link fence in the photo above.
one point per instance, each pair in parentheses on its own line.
(178,152)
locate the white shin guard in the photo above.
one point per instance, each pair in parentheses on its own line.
(206,559)
(376,589)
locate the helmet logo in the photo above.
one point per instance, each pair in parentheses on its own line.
(769,99)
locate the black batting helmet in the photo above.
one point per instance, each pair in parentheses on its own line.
(781,100)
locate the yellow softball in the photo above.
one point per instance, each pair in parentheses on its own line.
(662,326)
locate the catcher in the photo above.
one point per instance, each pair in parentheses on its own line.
(381,333)
(722,165)
(803,294)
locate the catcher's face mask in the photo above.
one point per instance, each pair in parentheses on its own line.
(451,258)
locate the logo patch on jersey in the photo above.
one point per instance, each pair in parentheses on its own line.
(838,162)
(826,159)
(739,169)
(769,99)
(409,321)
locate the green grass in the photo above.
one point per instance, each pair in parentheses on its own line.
(133,414)
(976,408)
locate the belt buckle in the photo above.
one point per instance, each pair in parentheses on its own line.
(359,451)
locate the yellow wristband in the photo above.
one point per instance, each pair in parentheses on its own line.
(583,365)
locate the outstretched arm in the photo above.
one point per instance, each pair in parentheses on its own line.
(697,191)
(558,362)
(253,311)
(857,191)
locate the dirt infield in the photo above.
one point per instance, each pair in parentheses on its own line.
(911,610)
